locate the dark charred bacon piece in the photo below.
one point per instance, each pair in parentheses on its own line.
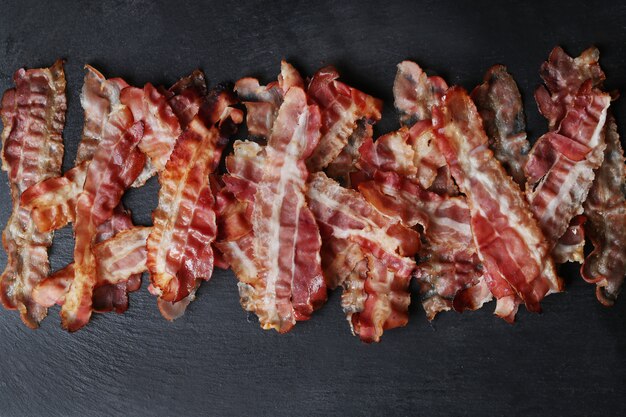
(179,246)
(499,103)
(509,241)
(605,209)
(33,115)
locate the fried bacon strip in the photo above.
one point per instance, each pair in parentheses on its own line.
(509,241)
(605,209)
(115,165)
(33,115)
(499,103)
(179,246)
(368,253)
(342,108)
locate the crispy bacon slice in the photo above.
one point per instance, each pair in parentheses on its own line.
(342,107)
(368,253)
(499,103)
(561,164)
(509,241)
(179,245)
(118,259)
(161,127)
(345,164)
(186,96)
(605,209)
(115,165)
(33,115)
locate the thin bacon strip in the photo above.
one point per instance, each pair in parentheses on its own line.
(366,252)
(605,209)
(33,115)
(117,260)
(342,107)
(115,165)
(509,241)
(499,103)
(179,246)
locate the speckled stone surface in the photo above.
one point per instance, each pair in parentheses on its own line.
(570,360)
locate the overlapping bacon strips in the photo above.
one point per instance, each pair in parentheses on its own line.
(116,163)
(33,115)
(509,241)
(179,246)
(368,253)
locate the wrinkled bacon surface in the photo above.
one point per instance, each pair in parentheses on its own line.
(115,165)
(509,241)
(179,246)
(33,115)
(368,253)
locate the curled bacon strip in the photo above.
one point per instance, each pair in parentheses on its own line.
(366,252)
(605,209)
(33,114)
(509,241)
(115,165)
(179,245)
(342,107)
(499,103)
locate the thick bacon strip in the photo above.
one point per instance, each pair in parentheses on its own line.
(161,126)
(366,252)
(499,103)
(605,209)
(561,164)
(115,165)
(509,241)
(33,115)
(342,107)
(117,260)
(179,246)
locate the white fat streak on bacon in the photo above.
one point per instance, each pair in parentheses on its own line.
(342,107)
(286,236)
(33,115)
(117,259)
(560,169)
(115,165)
(508,238)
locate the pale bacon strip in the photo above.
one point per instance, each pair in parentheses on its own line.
(290,285)
(605,209)
(179,246)
(115,165)
(561,164)
(499,103)
(342,107)
(117,260)
(509,241)
(161,127)
(33,115)
(374,264)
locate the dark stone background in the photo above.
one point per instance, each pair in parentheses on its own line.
(570,360)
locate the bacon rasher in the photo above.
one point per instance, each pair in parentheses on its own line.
(509,241)
(33,115)
(115,165)
(179,246)
(346,113)
(369,254)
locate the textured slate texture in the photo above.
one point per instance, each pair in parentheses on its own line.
(571,360)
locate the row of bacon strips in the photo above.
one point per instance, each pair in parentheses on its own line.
(456,198)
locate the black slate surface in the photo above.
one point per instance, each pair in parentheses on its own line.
(570,360)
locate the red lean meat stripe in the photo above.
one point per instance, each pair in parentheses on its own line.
(33,115)
(179,246)
(368,253)
(499,103)
(509,241)
(341,107)
(605,209)
(115,165)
